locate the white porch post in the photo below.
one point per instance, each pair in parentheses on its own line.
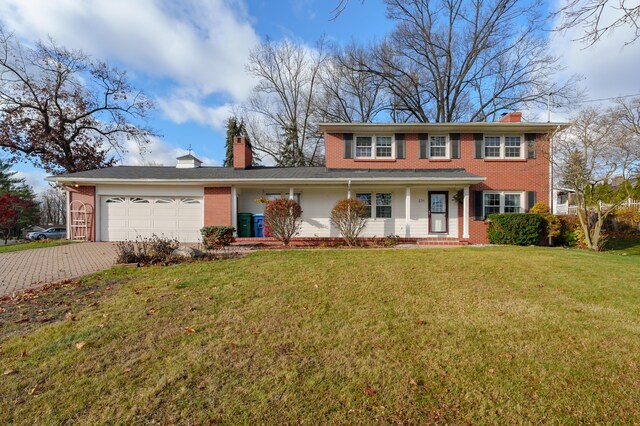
(465,213)
(349,189)
(407,212)
(68,213)
(291,193)
(234,209)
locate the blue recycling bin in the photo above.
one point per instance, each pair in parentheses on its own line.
(258,225)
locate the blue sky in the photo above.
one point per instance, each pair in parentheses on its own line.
(189,55)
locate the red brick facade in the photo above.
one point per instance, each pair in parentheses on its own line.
(501,175)
(217,206)
(87,195)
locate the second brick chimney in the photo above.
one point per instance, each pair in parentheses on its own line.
(511,117)
(242,154)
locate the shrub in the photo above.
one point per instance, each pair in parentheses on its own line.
(350,217)
(217,237)
(626,219)
(391,240)
(570,231)
(283,218)
(522,229)
(551,225)
(151,250)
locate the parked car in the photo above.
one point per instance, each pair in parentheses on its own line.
(48,234)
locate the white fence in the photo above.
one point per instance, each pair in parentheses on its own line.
(565,208)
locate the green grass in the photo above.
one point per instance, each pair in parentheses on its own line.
(460,335)
(624,246)
(33,245)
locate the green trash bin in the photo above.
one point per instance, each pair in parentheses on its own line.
(245,228)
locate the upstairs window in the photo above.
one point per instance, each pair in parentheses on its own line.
(492,147)
(505,147)
(438,147)
(374,147)
(512,146)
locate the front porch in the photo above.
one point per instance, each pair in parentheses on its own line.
(434,214)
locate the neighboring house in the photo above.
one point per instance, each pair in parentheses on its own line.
(421,181)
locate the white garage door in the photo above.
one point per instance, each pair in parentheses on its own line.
(127,218)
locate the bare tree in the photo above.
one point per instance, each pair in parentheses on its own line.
(349,94)
(52,206)
(599,17)
(281,114)
(62,110)
(595,150)
(455,60)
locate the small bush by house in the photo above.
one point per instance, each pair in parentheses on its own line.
(521,229)
(149,251)
(282,217)
(350,217)
(217,237)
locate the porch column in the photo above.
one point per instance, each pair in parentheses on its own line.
(407,212)
(234,209)
(291,193)
(465,213)
(68,212)
(349,189)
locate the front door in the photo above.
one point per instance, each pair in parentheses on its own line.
(438,205)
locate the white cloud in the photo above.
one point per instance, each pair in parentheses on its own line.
(158,153)
(34,178)
(199,45)
(182,110)
(610,68)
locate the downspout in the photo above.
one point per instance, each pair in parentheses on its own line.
(551,200)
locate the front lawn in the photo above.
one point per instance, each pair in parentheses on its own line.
(33,245)
(459,335)
(624,246)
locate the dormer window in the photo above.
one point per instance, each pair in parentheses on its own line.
(374,147)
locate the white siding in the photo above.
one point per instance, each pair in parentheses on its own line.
(317,203)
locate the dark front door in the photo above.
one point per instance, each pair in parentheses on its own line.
(438,222)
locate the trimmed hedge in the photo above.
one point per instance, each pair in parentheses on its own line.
(520,229)
(217,237)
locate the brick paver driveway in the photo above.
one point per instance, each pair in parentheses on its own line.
(21,270)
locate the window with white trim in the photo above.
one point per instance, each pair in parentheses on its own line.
(275,195)
(504,147)
(190,201)
(138,200)
(115,200)
(374,147)
(502,202)
(378,204)
(438,147)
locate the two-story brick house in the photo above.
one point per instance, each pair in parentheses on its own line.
(425,182)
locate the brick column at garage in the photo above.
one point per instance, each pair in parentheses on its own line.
(86,195)
(217,206)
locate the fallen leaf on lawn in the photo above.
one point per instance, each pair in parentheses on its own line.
(34,389)
(491,370)
(69,316)
(421,322)
(370,391)
(413,382)
(500,313)
(80,345)
(7,372)
(101,325)
(126,370)
(24,354)
(190,329)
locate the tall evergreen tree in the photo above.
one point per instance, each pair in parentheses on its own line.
(22,194)
(235,128)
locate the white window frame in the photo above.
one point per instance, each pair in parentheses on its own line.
(502,200)
(274,195)
(374,144)
(502,155)
(374,203)
(447,148)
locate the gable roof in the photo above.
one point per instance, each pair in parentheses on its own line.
(154,174)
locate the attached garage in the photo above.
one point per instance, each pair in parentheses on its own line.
(127,218)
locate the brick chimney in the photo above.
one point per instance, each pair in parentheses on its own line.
(242,154)
(511,117)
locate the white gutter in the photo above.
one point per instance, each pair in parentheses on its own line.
(260,181)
